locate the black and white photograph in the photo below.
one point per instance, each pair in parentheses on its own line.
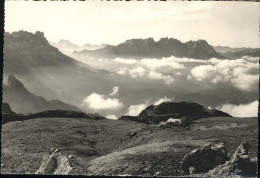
(130,88)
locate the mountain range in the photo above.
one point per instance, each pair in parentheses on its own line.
(24,102)
(234,53)
(68,47)
(47,72)
(165,47)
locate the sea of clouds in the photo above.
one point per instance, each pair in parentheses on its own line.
(242,74)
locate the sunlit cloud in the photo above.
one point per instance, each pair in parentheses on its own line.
(137,72)
(241,73)
(115,91)
(99,102)
(164,99)
(242,110)
(135,110)
(112,117)
(125,61)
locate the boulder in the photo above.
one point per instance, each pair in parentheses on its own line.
(239,164)
(203,159)
(60,164)
(164,125)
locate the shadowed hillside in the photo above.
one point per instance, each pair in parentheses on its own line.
(164,111)
(23,101)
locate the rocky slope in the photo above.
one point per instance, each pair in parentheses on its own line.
(23,101)
(166,110)
(109,147)
(165,47)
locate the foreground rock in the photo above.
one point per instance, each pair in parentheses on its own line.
(203,159)
(239,164)
(61,164)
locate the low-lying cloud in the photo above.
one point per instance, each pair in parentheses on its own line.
(241,73)
(135,110)
(125,61)
(100,102)
(112,117)
(115,91)
(242,110)
(164,64)
(140,72)
(164,99)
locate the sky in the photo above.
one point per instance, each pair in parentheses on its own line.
(234,24)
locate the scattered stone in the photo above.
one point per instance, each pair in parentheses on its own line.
(239,164)
(157,173)
(56,150)
(192,170)
(132,134)
(164,125)
(71,156)
(204,159)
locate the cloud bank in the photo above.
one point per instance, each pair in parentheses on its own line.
(241,73)
(242,110)
(99,102)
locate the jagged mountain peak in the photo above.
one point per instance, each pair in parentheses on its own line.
(150,48)
(37,38)
(13,82)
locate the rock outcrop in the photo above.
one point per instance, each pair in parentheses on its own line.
(203,159)
(6,109)
(60,164)
(189,110)
(239,164)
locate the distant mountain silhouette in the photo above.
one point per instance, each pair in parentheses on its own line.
(24,51)
(165,47)
(67,47)
(50,114)
(23,101)
(164,111)
(234,53)
(6,109)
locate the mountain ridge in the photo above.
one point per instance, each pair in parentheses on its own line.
(23,101)
(165,47)
(234,53)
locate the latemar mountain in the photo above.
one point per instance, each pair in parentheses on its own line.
(165,47)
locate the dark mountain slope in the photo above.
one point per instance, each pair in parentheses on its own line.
(6,109)
(165,47)
(47,72)
(164,111)
(24,51)
(23,101)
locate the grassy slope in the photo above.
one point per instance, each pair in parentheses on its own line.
(104,147)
